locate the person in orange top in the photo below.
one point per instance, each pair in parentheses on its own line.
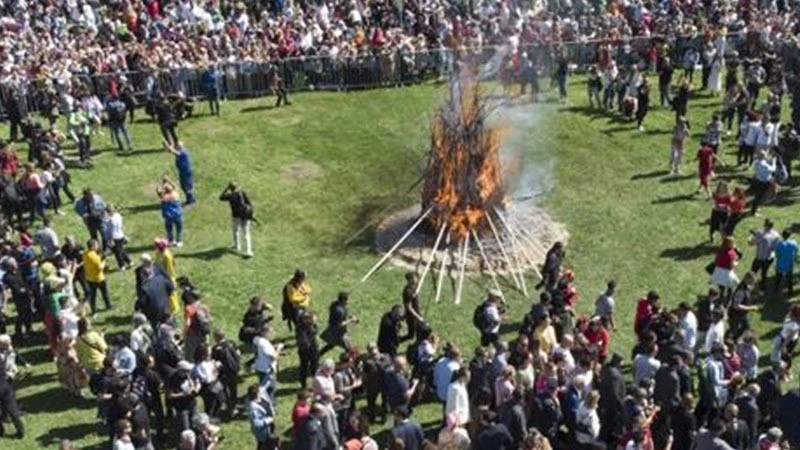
(735,207)
(719,212)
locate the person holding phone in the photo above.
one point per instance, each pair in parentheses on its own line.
(241,217)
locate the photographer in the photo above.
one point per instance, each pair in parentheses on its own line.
(241,216)
(338,321)
(91,208)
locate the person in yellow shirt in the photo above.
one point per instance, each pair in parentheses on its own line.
(296,297)
(165,262)
(94,270)
(90,346)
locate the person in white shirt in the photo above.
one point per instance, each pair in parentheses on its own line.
(115,236)
(457,396)
(47,239)
(587,422)
(266,362)
(688,325)
(716,333)
(787,337)
(645,365)
(565,351)
(453,436)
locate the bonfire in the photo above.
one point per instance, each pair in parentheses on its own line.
(463,202)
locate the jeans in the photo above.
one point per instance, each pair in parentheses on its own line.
(779,276)
(664,94)
(84,148)
(91,294)
(116,131)
(168,131)
(188,189)
(174,224)
(119,252)
(241,226)
(213,103)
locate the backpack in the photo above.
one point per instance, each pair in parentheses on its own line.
(479,318)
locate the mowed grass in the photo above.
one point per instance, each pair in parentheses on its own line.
(321,169)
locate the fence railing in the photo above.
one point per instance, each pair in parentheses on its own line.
(371,70)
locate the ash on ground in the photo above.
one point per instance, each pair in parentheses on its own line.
(534,231)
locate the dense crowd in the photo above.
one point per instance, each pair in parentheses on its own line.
(696,378)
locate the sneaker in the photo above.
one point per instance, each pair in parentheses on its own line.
(641,128)
(179,244)
(172,243)
(60,213)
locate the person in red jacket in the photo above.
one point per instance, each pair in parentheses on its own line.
(300,411)
(644,311)
(597,335)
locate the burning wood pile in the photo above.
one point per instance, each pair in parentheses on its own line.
(465,221)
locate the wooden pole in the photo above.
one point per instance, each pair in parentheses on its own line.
(503,252)
(460,286)
(513,234)
(441,271)
(398,244)
(430,259)
(488,266)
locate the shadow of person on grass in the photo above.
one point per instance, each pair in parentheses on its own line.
(53,400)
(257,108)
(673,199)
(653,174)
(141,208)
(74,432)
(688,253)
(206,255)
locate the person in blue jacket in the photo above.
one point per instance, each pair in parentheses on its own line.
(183,162)
(210,82)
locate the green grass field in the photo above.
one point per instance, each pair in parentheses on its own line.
(322,168)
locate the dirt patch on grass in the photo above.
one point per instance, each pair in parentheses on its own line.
(301,171)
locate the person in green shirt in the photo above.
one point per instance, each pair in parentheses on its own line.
(80,128)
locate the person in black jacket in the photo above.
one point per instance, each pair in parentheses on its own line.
(14,113)
(546,411)
(512,415)
(612,394)
(389,331)
(307,346)
(241,216)
(736,433)
(166,119)
(748,411)
(230,363)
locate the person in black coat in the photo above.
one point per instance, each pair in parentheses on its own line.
(166,119)
(307,346)
(546,411)
(681,101)
(492,435)
(748,411)
(311,435)
(770,382)
(389,331)
(736,434)
(512,415)
(230,364)
(643,101)
(789,417)
(612,394)
(684,423)
(15,113)
(667,392)
(409,432)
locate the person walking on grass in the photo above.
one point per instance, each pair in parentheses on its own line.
(680,133)
(117,113)
(115,236)
(91,208)
(719,211)
(763,177)
(765,241)
(171,211)
(705,168)
(241,217)
(94,266)
(785,256)
(183,163)
(643,100)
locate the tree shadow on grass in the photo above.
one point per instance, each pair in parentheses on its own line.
(687,253)
(206,255)
(74,432)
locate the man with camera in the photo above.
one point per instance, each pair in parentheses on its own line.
(241,216)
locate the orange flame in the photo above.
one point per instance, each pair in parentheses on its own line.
(462,179)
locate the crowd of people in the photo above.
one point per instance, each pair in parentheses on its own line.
(696,379)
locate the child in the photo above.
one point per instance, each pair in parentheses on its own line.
(679,135)
(705,167)
(749,355)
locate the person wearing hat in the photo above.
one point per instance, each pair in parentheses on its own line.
(296,297)
(8,398)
